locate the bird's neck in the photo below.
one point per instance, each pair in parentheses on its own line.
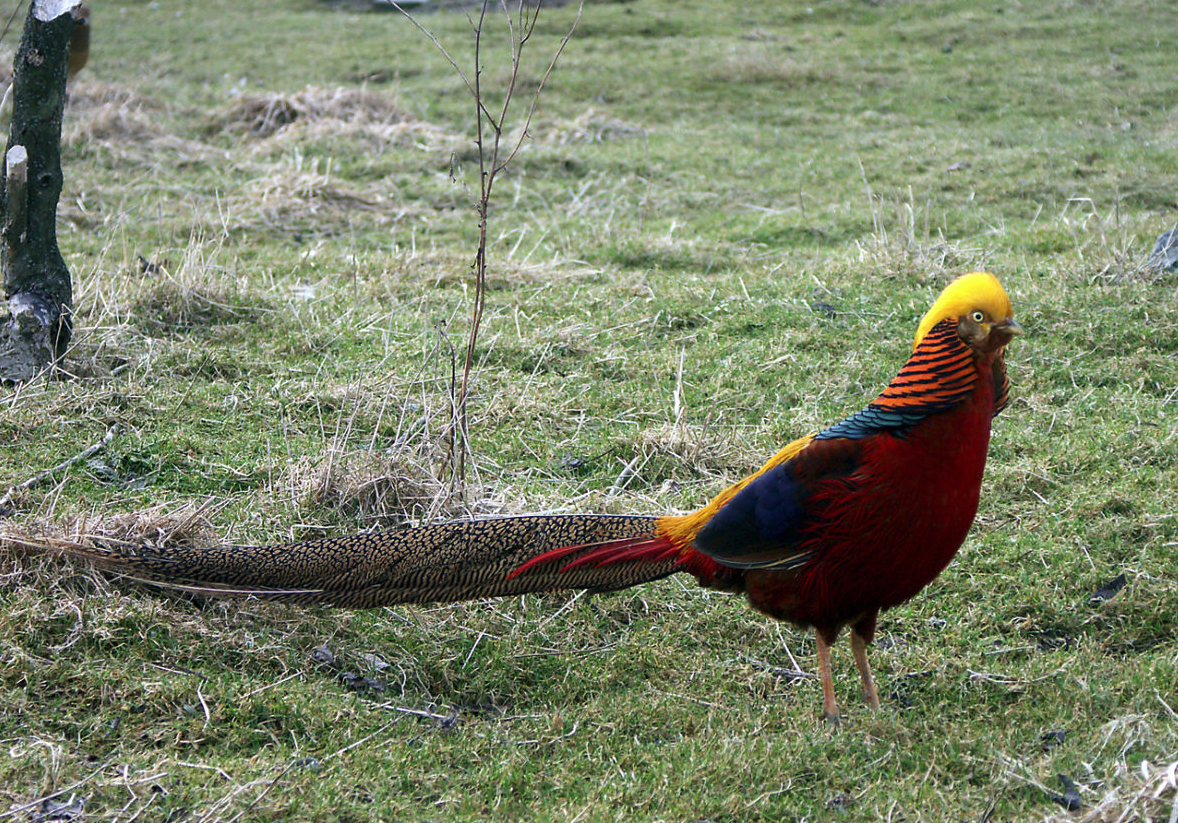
(940,374)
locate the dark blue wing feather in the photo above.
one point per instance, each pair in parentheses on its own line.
(873,420)
(764,524)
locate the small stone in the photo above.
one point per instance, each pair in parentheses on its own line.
(1165,252)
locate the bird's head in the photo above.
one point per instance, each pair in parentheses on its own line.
(979,305)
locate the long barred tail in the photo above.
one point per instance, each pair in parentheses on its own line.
(447,562)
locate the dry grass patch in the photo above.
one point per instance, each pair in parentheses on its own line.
(131,128)
(174,523)
(107,111)
(591,126)
(297,189)
(760,65)
(368,136)
(176,307)
(285,188)
(386,490)
(904,241)
(263,115)
(317,114)
(694,448)
(197,285)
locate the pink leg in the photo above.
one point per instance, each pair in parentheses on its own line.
(830,708)
(859,649)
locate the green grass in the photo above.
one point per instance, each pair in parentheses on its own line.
(721,235)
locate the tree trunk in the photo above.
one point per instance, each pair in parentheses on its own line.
(36,280)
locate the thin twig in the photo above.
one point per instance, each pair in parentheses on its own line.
(436,42)
(444,719)
(623,478)
(263,793)
(795,673)
(45,475)
(609,647)
(224,774)
(11,17)
(544,79)
(362,740)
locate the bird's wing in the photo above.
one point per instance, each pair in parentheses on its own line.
(764,524)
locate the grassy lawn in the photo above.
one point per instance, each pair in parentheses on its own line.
(720,235)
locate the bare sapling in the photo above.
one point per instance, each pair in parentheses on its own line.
(497,144)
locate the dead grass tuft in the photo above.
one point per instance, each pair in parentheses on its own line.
(366,120)
(263,115)
(130,128)
(757,64)
(362,135)
(110,113)
(177,307)
(592,126)
(903,243)
(693,447)
(1105,242)
(383,490)
(304,188)
(176,523)
(114,124)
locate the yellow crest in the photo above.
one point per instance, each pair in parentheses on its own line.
(976,291)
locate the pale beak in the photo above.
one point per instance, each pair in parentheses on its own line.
(1005,331)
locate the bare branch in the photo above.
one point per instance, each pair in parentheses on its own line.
(436,42)
(544,79)
(65,464)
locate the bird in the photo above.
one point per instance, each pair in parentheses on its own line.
(834,528)
(79,41)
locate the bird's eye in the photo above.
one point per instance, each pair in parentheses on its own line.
(977,317)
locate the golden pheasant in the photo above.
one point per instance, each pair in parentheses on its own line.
(834,528)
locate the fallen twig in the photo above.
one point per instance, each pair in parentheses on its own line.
(446,720)
(32,804)
(6,510)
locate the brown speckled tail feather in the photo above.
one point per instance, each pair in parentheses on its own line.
(446,562)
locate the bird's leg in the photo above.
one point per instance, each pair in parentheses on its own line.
(859,649)
(830,708)
(862,633)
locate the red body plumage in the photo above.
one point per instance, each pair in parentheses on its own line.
(873,535)
(891,526)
